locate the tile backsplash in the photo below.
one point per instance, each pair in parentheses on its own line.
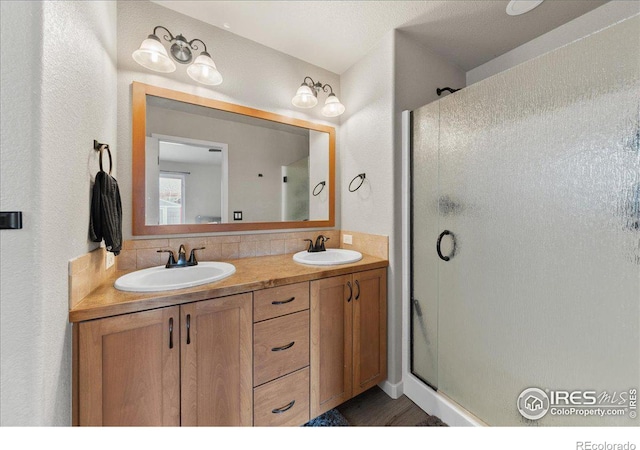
(371,244)
(86,273)
(142,253)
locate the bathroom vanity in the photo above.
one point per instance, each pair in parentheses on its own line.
(275,344)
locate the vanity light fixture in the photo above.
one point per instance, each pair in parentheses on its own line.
(153,55)
(307,97)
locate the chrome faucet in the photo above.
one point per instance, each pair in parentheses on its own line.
(319,245)
(182,257)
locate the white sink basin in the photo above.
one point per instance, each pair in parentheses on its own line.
(162,279)
(330,257)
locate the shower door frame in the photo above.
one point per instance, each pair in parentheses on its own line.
(430,400)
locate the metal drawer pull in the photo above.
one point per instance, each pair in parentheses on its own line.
(282,302)
(188,329)
(171,332)
(284,408)
(350,291)
(284,347)
(358,294)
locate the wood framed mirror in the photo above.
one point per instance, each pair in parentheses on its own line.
(202,165)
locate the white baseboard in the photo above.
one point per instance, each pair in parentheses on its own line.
(436,404)
(392,390)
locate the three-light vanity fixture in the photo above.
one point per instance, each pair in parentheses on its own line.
(153,55)
(307,97)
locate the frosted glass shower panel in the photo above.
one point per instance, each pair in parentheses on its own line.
(424,231)
(540,169)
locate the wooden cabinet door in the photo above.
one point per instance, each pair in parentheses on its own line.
(216,344)
(369,329)
(129,369)
(331,342)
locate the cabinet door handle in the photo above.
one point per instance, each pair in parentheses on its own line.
(282,302)
(358,294)
(188,329)
(284,347)
(171,332)
(350,291)
(284,408)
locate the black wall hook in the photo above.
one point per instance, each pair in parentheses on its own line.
(440,91)
(362,176)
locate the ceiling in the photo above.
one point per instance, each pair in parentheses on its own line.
(336,34)
(188,154)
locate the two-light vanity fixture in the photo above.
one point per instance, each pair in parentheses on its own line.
(307,97)
(153,55)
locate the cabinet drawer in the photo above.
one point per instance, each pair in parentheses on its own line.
(283,402)
(274,302)
(280,346)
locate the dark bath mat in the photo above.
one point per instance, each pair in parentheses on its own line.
(432,421)
(331,418)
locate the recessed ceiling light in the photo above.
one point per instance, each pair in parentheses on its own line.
(517,7)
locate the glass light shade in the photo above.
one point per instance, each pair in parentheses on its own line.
(203,70)
(332,106)
(304,98)
(153,56)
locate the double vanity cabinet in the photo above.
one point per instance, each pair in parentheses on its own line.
(252,350)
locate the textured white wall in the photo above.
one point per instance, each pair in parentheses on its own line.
(595,20)
(53,107)
(397,74)
(254,76)
(366,137)
(20,349)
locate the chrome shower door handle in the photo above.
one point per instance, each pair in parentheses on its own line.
(453,251)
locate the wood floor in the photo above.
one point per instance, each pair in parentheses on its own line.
(376,409)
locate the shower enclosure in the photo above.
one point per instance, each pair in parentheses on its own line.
(525,238)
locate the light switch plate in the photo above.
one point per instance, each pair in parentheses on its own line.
(347,239)
(109,260)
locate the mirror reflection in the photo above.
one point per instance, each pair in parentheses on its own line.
(203,165)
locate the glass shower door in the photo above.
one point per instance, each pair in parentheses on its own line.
(424,230)
(538,173)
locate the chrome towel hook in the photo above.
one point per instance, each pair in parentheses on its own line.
(362,176)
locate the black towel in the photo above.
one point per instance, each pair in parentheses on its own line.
(105,221)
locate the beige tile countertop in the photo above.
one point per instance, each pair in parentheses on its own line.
(251,274)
